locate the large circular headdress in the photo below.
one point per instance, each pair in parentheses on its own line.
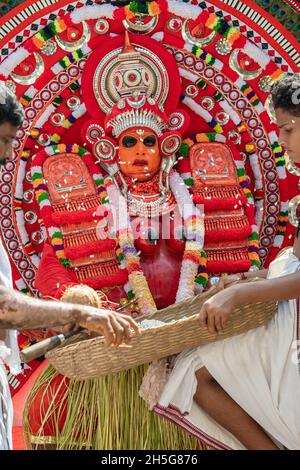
(141,67)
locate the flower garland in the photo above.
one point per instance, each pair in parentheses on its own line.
(137,7)
(200,111)
(246,139)
(283,210)
(248,202)
(194,235)
(92,12)
(253,239)
(43,198)
(19,212)
(192,257)
(127,251)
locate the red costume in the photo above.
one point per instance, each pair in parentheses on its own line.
(179,115)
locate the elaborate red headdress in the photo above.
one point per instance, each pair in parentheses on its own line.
(131,86)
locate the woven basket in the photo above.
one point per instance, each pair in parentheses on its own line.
(90,358)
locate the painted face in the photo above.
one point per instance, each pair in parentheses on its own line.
(289,137)
(7,135)
(139,155)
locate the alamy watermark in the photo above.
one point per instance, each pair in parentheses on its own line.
(185,224)
(296,93)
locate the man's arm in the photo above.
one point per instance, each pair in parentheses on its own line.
(215,311)
(18,311)
(281,288)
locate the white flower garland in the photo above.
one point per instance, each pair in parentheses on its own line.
(190,103)
(185,11)
(187,209)
(256,168)
(259,212)
(193,77)
(45,116)
(14,59)
(257,54)
(93,12)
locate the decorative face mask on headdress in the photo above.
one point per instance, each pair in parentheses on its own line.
(131,87)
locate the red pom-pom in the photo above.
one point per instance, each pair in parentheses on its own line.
(119,14)
(67,19)
(30,46)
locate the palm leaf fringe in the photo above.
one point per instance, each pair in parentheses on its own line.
(102,414)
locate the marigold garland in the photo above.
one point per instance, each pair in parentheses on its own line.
(43,198)
(194,233)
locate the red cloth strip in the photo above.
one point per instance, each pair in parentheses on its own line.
(90,248)
(72,217)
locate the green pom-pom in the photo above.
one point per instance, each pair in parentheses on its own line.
(37,176)
(65,262)
(81,151)
(201,280)
(43,197)
(253,236)
(25,291)
(56,235)
(211,136)
(130,295)
(183,150)
(256,263)
(189,182)
(134,6)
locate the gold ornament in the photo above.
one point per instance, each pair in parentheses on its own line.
(32,77)
(265,83)
(223,46)
(293,210)
(102,26)
(73,46)
(142,24)
(198,41)
(49,48)
(245,74)
(290,165)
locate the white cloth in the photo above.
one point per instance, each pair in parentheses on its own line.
(258,369)
(6,409)
(9,352)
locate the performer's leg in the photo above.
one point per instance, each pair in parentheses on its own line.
(211,397)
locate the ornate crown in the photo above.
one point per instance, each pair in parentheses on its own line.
(138,111)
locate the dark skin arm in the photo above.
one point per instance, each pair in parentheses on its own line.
(18,311)
(216,311)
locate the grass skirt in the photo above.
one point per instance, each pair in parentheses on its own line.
(101,414)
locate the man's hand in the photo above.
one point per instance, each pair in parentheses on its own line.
(114,326)
(216,311)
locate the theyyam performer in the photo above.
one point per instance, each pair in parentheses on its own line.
(146,167)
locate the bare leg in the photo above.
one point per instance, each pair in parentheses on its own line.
(211,397)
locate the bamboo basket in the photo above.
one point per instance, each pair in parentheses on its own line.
(90,358)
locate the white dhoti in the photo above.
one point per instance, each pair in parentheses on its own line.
(9,353)
(6,409)
(258,369)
